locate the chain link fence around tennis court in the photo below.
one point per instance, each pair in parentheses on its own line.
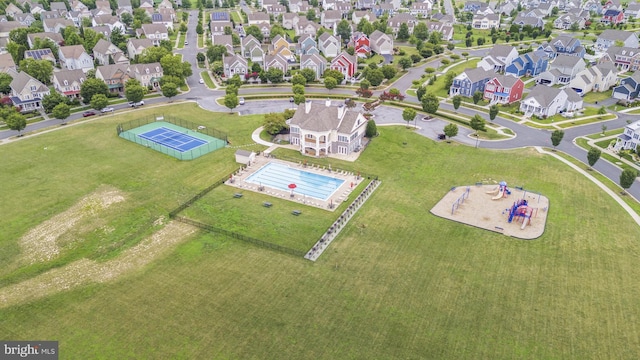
(215,139)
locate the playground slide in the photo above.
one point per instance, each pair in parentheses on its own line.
(499,196)
(494,191)
(527,218)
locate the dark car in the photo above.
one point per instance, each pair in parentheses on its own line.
(88,113)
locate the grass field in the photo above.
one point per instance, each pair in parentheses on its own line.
(398,283)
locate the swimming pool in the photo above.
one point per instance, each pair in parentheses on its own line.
(279,176)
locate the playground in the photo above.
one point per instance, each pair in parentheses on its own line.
(514,212)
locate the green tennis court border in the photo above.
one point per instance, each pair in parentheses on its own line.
(215,139)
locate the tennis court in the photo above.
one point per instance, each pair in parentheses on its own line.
(172,139)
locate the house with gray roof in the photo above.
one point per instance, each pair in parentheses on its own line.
(329,45)
(544,101)
(57,6)
(55,37)
(104,52)
(632,11)
(234,64)
(624,58)
(74,57)
(318,129)
(597,78)
(26,91)
(314,62)
(562,70)
(7,63)
(224,40)
(68,82)
(498,58)
(470,81)
(609,37)
(251,49)
(630,137)
(41,54)
(381,43)
(629,88)
(135,47)
(155,32)
(55,25)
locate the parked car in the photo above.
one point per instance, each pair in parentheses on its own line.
(88,113)
(135,104)
(107,109)
(186,43)
(291,99)
(241,101)
(201,81)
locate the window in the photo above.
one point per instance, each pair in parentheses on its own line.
(66,83)
(342,150)
(295,130)
(33,88)
(342,138)
(354,136)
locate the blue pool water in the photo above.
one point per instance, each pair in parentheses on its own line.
(279,176)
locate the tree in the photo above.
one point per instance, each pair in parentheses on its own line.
(133,91)
(255,31)
(556,138)
(450,130)
(477,123)
(627,177)
(5,83)
(42,70)
(344,30)
(389,71)
(430,103)
(274,123)
(235,81)
(200,57)
(493,112)
(477,96)
(311,15)
(71,36)
(199,29)
(52,100)
(604,129)
(169,90)
(61,111)
(298,79)
(299,99)
(593,155)
(99,101)
(420,31)
(375,77)
(365,84)
(308,74)
(334,74)
(448,80)
(602,110)
(231,101)
(16,121)
(19,36)
(330,83)
(403,32)
(91,38)
(456,101)
(405,63)
(174,66)
(275,76)
(409,114)
(371,130)
(91,87)
(152,54)
(297,89)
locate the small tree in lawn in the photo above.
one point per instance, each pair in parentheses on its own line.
(477,123)
(133,91)
(299,99)
(493,112)
(602,110)
(456,101)
(430,103)
(330,83)
(371,130)
(604,129)
(450,130)
(593,155)
(61,111)
(99,101)
(231,101)
(420,92)
(405,63)
(627,177)
(477,96)
(409,114)
(16,121)
(556,138)
(274,123)
(169,90)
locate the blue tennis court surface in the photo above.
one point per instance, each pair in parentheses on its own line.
(172,139)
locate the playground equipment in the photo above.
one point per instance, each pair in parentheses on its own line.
(456,204)
(501,191)
(520,211)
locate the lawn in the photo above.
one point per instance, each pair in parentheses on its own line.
(592,97)
(397,283)
(207,79)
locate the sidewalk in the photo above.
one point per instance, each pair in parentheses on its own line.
(609,151)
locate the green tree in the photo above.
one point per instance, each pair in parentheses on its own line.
(477,96)
(627,177)
(52,100)
(298,79)
(430,103)
(334,74)
(231,89)
(19,36)
(371,130)
(275,76)
(389,71)
(375,77)
(91,38)
(133,91)
(91,87)
(420,31)
(493,112)
(297,89)
(593,155)
(556,138)
(311,15)
(448,80)
(405,63)
(604,129)
(200,57)
(602,110)
(343,30)
(71,36)
(456,101)
(330,83)
(5,83)
(16,121)
(477,123)
(169,90)
(299,99)
(403,32)
(409,114)
(308,74)
(152,54)
(235,80)
(365,84)
(61,112)
(173,65)
(255,31)
(42,70)
(274,123)
(450,130)
(231,101)
(99,101)
(199,29)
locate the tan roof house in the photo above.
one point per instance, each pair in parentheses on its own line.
(74,57)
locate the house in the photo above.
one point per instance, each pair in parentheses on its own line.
(528,64)
(224,40)
(490,21)
(365,4)
(305,27)
(24,19)
(395,21)
(111,21)
(7,63)
(630,137)
(498,58)
(115,76)
(503,89)
(445,29)
(218,21)
(125,5)
(265,29)
(74,57)
(251,49)
(41,54)
(163,16)
(26,91)
(533,21)
(562,70)
(307,45)
(56,38)
(147,5)
(257,18)
(567,21)
(155,32)
(612,17)
(55,25)
(330,18)
(563,44)
(12,10)
(474,6)
(628,89)
(58,6)
(148,75)
(275,61)
(68,82)
(592,6)
(383,9)
(358,15)
(314,62)
(104,30)
(321,129)
(281,46)
(51,15)
(470,81)
(361,44)
(36,8)
(544,101)
(105,53)
(329,45)
(597,78)
(609,37)
(625,59)
(421,9)
(234,64)
(345,63)
(381,43)
(136,47)
(289,20)
(507,7)
(632,11)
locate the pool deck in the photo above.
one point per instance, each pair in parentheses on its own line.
(342,193)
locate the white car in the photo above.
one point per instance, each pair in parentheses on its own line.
(107,109)
(186,43)
(241,101)
(136,104)
(201,81)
